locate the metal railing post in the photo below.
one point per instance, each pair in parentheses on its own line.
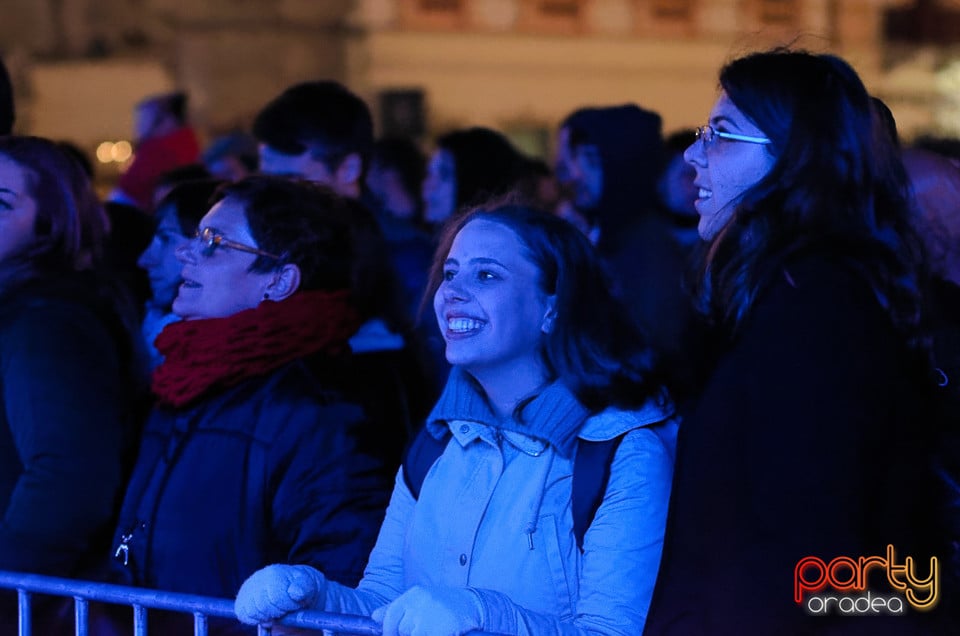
(199,624)
(141,600)
(23,611)
(139,620)
(81,612)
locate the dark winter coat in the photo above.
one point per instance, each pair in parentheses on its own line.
(267,471)
(808,440)
(64,423)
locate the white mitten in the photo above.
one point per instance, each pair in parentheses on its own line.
(277,590)
(434,611)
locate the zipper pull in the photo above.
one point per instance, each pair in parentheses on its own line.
(124,547)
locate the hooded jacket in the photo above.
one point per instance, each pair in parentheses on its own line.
(630,144)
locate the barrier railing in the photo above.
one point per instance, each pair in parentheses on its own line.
(141,600)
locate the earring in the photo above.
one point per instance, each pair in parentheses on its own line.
(266,296)
(547,325)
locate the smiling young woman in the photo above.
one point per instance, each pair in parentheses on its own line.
(545,362)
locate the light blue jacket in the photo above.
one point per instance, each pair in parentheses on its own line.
(494,515)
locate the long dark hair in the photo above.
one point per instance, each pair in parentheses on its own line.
(593,348)
(837,184)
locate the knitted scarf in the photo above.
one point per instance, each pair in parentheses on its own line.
(204,355)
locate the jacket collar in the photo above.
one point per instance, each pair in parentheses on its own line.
(554,415)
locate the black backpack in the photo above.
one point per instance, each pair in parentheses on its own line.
(591,472)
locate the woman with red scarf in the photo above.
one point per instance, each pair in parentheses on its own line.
(252,454)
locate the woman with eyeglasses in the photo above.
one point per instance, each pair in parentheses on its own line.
(809,438)
(67,365)
(254,452)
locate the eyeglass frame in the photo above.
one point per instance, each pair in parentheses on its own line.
(708,137)
(210,239)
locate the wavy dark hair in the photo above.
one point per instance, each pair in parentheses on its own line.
(837,184)
(593,347)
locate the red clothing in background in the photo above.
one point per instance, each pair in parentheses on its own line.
(154,157)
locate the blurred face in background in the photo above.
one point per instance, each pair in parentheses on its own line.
(386,186)
(579,169)
(151,119)
(676,189)
(440,187)
(228,168)
(303,166)
(160,261)
(18,209)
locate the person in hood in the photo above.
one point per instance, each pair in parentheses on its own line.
(609,161)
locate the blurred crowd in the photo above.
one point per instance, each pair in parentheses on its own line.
(626,389)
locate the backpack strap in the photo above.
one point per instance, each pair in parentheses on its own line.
(423,451)
(591,472)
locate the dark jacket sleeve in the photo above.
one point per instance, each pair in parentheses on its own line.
(61,404)
(329,496)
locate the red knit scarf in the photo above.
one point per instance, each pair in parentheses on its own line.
(215,353)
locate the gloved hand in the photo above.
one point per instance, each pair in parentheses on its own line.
(434,611)
(277,590)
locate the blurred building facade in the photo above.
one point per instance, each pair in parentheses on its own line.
(429,65)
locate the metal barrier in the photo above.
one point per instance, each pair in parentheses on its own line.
(140,599)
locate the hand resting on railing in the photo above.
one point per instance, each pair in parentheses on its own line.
(433,610)
(277,590)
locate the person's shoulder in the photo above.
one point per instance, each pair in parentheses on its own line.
(305,382)
(656,414)
(40,303)
(821,273)
(643,441)
(283,403)
(816,287)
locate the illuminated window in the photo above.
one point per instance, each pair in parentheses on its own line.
(671,9)
(561,9)
(777,12)
(666,18)
(552,16)
(441,5)
(433,14)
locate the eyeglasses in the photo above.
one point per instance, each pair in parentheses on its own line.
(707,135)
(210,240)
